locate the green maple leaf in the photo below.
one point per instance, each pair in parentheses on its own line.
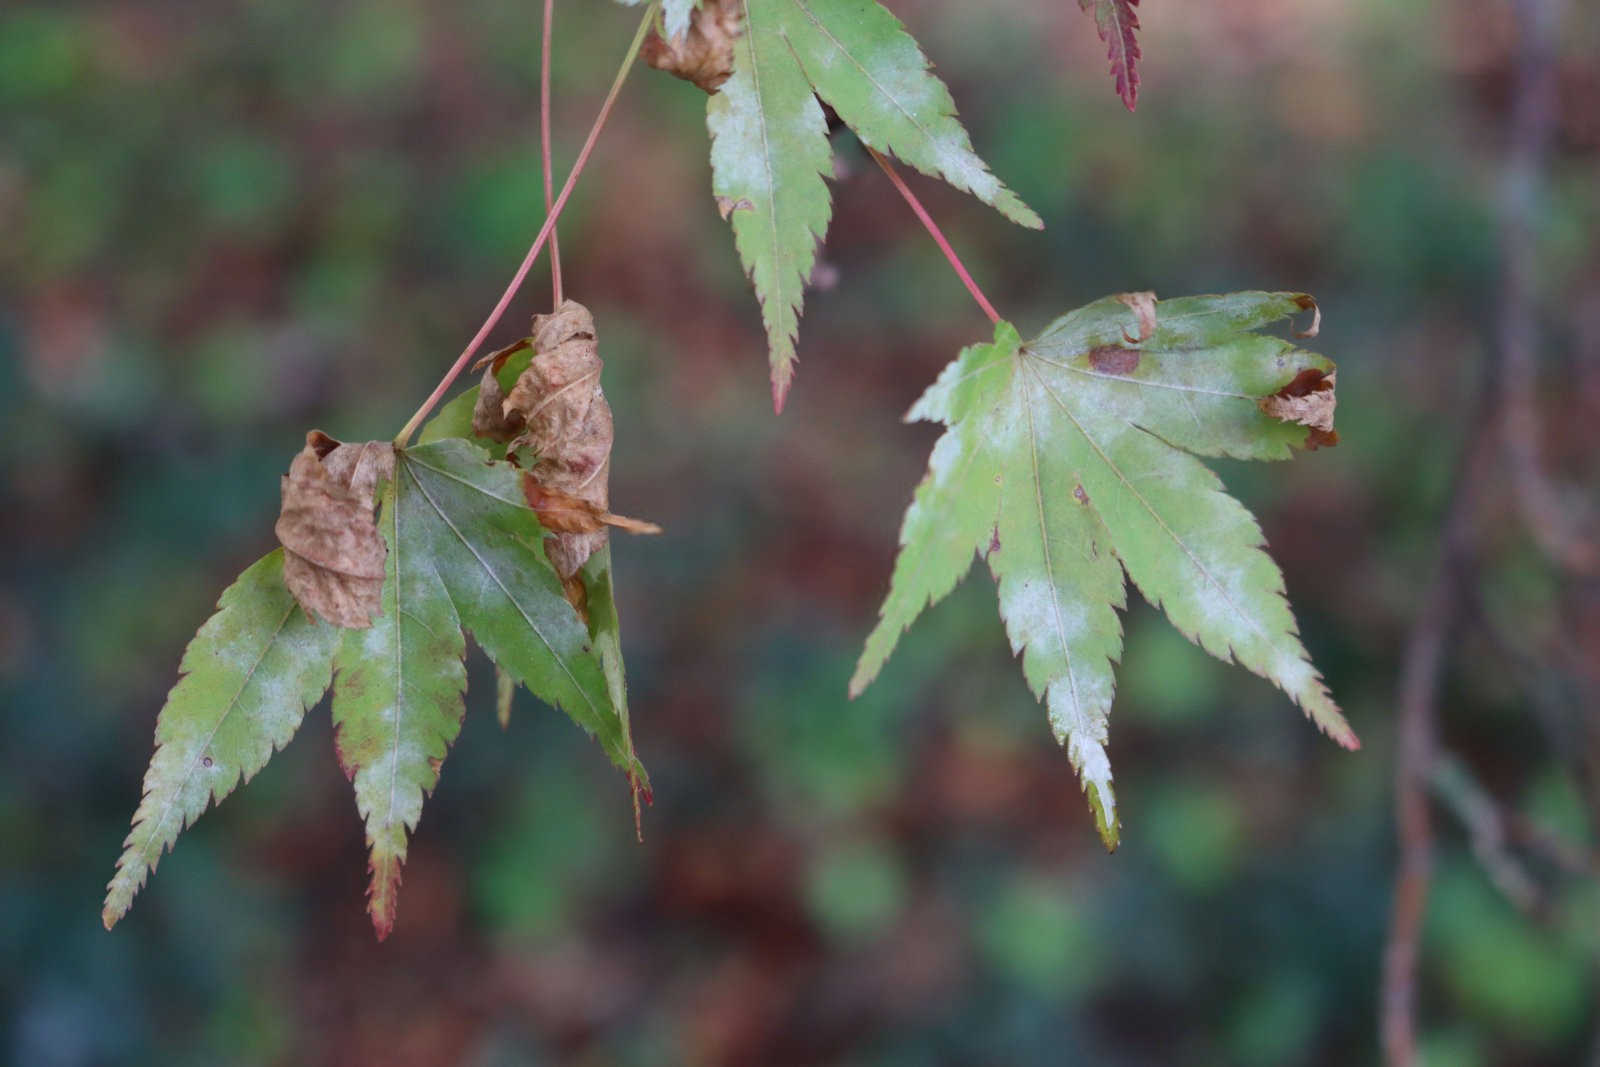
(770,154)
(463,552)
(247,679)
(1068,462)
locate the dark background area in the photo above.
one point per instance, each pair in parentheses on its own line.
(222,224)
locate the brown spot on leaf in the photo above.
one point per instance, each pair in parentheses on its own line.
(1309,400)
(994,542)
(1307,302)
(1144,306)
(704,55)
(333,556)
(1082,497)
(1114,359)
(207,761)
(727,205)
(573,589)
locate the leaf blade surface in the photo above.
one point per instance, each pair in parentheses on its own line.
(488,549)
(1089,434)
(398,699)
(769,140)
(247,678)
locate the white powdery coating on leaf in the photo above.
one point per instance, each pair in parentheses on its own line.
(1294,674)
(966,171)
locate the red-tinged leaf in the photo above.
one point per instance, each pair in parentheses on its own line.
(1116,20)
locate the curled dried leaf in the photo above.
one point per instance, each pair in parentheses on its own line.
(333,554)
(1308,303)
(560,413)
(564,513)
(1310,400)
(488,416)
(1144,306)
(704,55)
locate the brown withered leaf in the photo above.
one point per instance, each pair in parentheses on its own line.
(1143,305)
(1310,400)
(488,416)
(704,55)
(563,417)
(564,513)
(333,554)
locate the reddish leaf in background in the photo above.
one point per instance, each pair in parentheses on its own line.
(1117,21)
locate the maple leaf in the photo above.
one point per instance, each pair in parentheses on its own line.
(1117,22)
(464,551)
(703,54)
(1067,462)
(769,147)
(333,556)
(248,677)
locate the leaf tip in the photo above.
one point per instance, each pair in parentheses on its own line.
(382,905)
(1106,821)
(782,378)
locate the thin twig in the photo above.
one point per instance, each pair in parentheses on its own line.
(538,242)
(1430,636)
(936,233)
(1418,697)
(1561,532)
(544,145)
(1487,831)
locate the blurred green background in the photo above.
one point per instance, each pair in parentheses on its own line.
(222,224)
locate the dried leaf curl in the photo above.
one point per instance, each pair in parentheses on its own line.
(333,555)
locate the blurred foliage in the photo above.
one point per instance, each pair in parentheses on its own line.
(226,224)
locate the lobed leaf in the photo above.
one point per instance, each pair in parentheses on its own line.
(769,151)
(1068,462)
(248,677)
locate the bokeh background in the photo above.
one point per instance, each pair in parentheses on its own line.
(222,224)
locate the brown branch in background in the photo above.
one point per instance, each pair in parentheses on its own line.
(1418,697)
(1564,533)
(1515,372)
